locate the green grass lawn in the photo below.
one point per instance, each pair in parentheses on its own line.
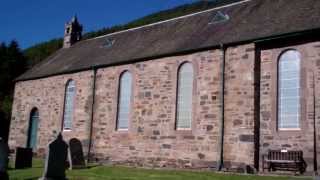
(125,173)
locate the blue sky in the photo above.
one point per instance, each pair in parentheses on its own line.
(33,21)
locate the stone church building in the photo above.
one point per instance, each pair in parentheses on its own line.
(218,88)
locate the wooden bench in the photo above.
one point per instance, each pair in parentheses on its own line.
(284,160)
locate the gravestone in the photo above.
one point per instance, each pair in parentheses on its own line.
(56,159)
(76,154)
(23,158)
(4,153)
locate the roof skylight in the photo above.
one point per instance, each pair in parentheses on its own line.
(108,42)
(219,17)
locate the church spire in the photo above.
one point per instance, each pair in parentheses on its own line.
(72,33)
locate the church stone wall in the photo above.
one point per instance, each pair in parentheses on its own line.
(239,106)
(151,139)
(48,96)
(270,137)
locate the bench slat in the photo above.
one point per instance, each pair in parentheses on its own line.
(288,160)
(282,161)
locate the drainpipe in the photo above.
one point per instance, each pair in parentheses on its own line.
(315,163)
(222,87)
(256,130)
(92,111)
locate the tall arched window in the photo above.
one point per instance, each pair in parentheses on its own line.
(124,100)
(184,96)
(289,90)
(69,105)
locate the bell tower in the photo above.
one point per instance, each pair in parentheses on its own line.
(72,32)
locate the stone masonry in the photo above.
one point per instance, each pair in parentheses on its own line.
(151,139)
(239,106)
(270,137)
(48,96)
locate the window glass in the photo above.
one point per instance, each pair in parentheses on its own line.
(184,96)
(69,105)
(124,101)
(289,90)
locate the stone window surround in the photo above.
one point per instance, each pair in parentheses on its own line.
(118,100)
(177,95)
(178,64)
(278,81)
(276,53)
(120,71)
(26,115)
(29,123)
(64,103)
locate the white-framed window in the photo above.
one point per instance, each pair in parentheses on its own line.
(289,66)
(69,105)
(124,100)
(184,96)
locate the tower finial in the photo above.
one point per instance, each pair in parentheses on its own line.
(74,18)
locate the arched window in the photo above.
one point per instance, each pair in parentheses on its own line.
(289,90)
(184,96)
(69,105)
(33,129)
(124,100)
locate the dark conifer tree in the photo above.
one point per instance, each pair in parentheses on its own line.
(12,64)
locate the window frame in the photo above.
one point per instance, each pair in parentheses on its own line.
(180,65)
(64,105)
(299,124)
(30,125)
(119,99)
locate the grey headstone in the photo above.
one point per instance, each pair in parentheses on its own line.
(76,154)
(56,159)
(4,153)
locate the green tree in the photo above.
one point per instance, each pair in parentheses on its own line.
(12,64)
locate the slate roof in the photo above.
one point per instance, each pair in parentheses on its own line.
(248,20)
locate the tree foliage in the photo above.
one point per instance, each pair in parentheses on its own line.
(40,51)
(12,64)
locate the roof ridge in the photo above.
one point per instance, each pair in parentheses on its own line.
(172,19)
